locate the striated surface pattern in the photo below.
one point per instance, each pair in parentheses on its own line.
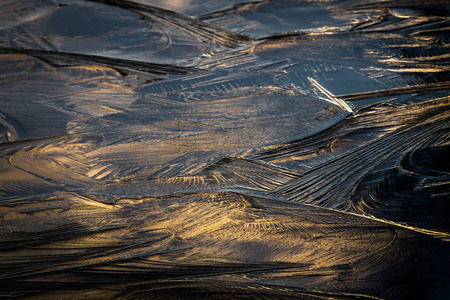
(224,149)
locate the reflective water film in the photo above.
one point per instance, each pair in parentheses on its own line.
(214,149)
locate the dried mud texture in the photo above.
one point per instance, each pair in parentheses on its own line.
(202,150)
